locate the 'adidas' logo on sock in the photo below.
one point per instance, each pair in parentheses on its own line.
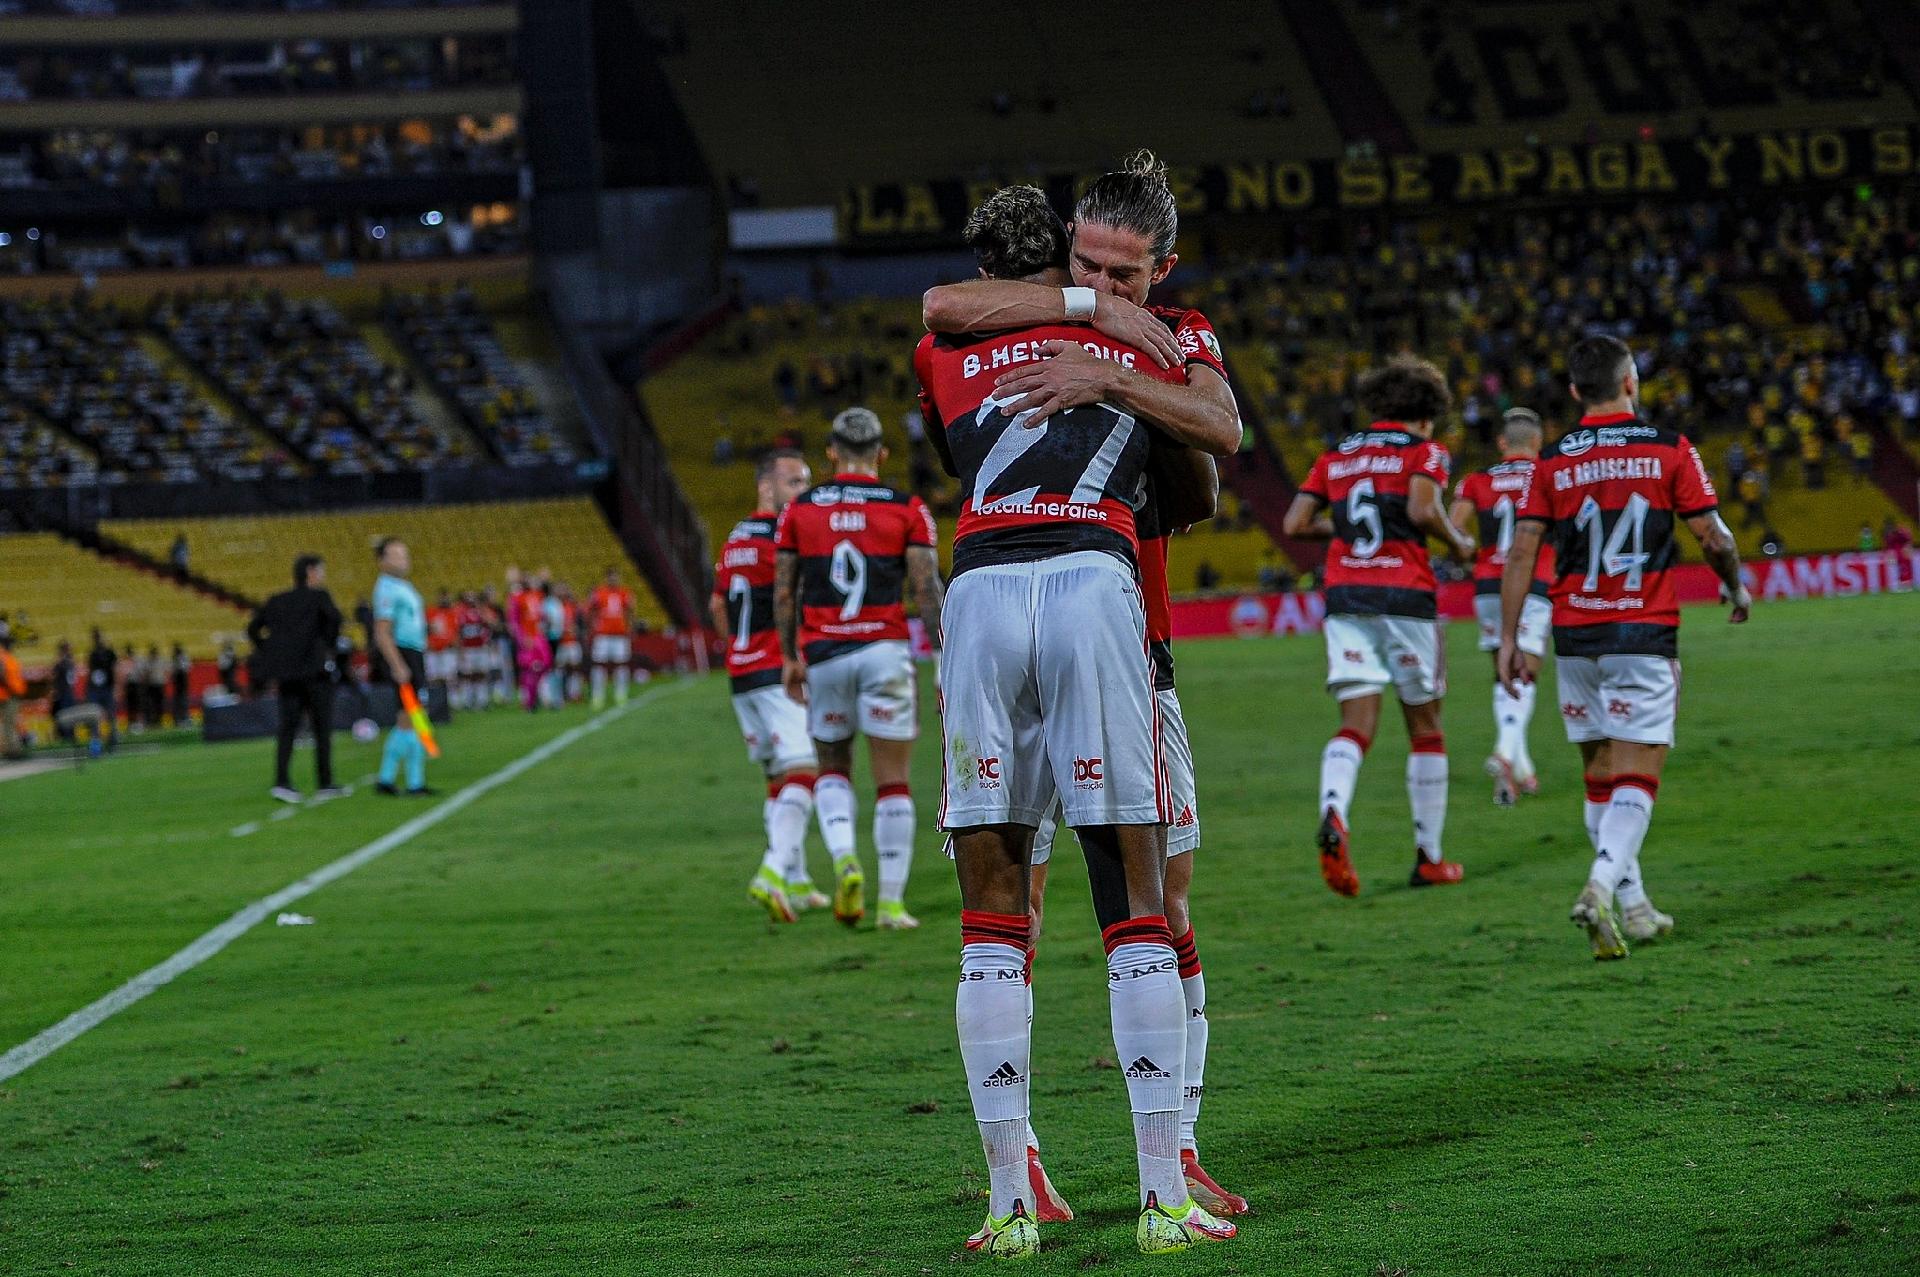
(1144,1067)
(1005,1075)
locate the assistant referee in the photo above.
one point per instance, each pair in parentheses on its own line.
(400,639)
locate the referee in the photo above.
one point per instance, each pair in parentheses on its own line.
(400,639)
(293,636)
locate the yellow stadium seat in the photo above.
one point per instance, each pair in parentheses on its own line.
(57,590)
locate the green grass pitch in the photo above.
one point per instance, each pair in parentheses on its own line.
(550,1035)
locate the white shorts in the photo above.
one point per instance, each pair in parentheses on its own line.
(568,652)
(1045,689)
(476,660)
(775,728)
(873,687)
(1176,755)
(612,649)
(1536,622)
(1627,698)
(1366,653)
(443,664)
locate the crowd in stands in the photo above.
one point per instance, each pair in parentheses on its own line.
(82,368)
(34,455)
(1498,301)
(450,336)
(304,371)
(282,67)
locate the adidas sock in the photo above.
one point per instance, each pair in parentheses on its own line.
(787,828)
(990,1011)
(1427,793)
(1194,986)
(1631,890)
(833,804)
(1599,794)
(893,840)
(1521,758)
(1149,1033)
(1033,1138)
(1340,770)
(1622,829)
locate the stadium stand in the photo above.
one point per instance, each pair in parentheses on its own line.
(1469,75)
(59,590)
(455,547)
(1021,99)
(85,369)
(34,455)
(452,340)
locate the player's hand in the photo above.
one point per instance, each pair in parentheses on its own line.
(1068,377)
(1464,547)
(793,677)
(1742,606)
(1512,666)
(401,674)
(1125,322)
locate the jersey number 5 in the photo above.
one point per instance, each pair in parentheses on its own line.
(1365,515)
(848,574)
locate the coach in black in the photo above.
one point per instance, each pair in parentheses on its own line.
(294,637)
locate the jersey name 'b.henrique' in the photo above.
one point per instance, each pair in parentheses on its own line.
(852,534)
(1377,564)
(1610,492)
(743,581)
(1034,491)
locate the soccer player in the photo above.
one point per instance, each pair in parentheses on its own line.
(611,607)
(1607,495)
(774,725)
(1120,246)
(1037,699)
(1491,496)
(475,635)
(400,636)
(1386,488)
(442,664)
(847,551)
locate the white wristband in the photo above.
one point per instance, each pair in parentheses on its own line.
(1080,302)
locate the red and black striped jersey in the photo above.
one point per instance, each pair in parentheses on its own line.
(1377,564)
(743,582)
(1610,492)
(852,534)
(1069,483)
(1496,494)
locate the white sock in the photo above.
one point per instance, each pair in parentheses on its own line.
(1508,738)
(599,684)
(990,1011)
(1150,1036)
(1193,986)
(1521,758)
(1596,808)
(1622,829)
(833,804)
(1339,771)
(768,858)
(787,830)
(1427,795)
(620,680)
(1033,1138)
(893,840)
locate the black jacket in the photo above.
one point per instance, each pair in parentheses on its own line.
(293,635)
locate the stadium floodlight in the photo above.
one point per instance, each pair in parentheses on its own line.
(5,239)
(432,217)
(378,231)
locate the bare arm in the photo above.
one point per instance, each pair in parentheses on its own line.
(1426,513)
(991,305)
(1717,547)
(1516,580)
(923,573)
(1308,519)
(717,613)
(786,623)
(390,652)
(1200,413)
(1460,513)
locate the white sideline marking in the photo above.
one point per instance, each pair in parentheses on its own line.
(288,813)
(47,1041)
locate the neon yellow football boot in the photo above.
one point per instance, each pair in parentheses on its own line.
(1013,1237)
(770,893)
(1162,1230)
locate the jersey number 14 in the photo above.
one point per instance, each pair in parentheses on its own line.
(1624,553)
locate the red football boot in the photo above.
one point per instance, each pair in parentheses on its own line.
(1335,867)
(1430,873)
(1049,1206)
(1210,1195)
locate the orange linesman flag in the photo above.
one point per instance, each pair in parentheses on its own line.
(421,727)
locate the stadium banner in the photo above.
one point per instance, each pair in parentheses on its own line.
(1706,164)
(1803,576)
